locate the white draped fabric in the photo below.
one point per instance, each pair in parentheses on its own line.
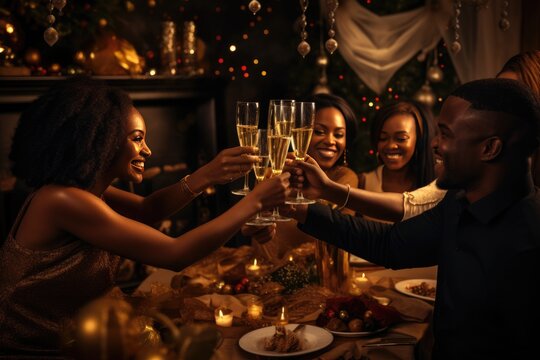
(375,47)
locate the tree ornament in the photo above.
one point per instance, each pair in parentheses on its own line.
(456,45)
(425,95)
(303,48)
(254,6)
(331,44)
(50,36)
(504,23)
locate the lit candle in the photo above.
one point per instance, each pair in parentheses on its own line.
(291,258)
(283,318)
(255,310)
(363,283)
(224,317)
(253,269)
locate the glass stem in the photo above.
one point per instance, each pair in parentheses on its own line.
(246,182)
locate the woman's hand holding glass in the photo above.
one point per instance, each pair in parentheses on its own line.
(311,178)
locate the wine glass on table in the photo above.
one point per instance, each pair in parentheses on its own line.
(247,121)
(279,139)
(260,169)
(302,129)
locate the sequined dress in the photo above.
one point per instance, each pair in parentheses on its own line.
(40,290)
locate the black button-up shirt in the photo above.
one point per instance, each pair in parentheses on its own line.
(488,256)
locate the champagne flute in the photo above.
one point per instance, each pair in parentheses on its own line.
(247,121)
(302,129)
(260,168)
(279,138)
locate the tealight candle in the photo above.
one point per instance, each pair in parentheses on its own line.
(253,269)
(224,317)
(255,309)
(283,318)
(362,283)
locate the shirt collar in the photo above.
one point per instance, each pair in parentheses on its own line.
(487,208)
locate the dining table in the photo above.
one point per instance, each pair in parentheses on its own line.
(409,339)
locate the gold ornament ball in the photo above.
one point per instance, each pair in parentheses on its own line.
(425,95)
(32,57)
(303,48)
(331,45)
(130,7)
(151,3)
(254,6)
(50,36)
(59,4)
(435,74)
(504,24)
(455,47)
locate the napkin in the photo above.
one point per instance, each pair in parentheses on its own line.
(226,301)
(411,309)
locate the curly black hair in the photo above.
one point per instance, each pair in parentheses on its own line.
(422,163)
(71,134)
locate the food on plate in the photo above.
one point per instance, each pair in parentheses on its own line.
(423,289)
(360,313)
(283,341)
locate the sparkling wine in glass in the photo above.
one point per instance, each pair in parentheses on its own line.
(302,129)
(279,146)
(261,169)
(247,121)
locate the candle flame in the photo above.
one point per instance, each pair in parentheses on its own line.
(220,313)
(363,275)
(291,258)
(254,262)
(282,317)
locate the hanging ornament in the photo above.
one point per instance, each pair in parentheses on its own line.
(456,45)
(59,4)
(254,6)
(331,44)
(504,23)
(425,95)
(303,48)
(434,73)
(50,36)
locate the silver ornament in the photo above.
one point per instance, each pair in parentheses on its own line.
(504,24)
(435,74)
(455,47)
(331,45)
(303,48)
(254,6)
(425,95)
(50,36)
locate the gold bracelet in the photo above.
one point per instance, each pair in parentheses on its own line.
(346,199)
(185,187)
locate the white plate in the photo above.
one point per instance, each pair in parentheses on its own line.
(357,333)
(403,287)
(314,338)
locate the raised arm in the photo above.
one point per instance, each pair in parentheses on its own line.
(227,166)
(85,216)
(316,184)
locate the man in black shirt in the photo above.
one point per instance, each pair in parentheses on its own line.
(484,235)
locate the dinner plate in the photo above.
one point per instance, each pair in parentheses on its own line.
(358,333)
(314,338)
(404,287)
